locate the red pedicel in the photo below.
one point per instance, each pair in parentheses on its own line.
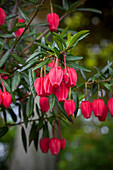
(98,107)
(110,106)
(2,16)
(69,106)
(53,20)
(44,144)
(20,30)
(86,109)
(72,77)
(54,146)
(63,143)
(6,99)
(0,96)
(104,115)
(44,104)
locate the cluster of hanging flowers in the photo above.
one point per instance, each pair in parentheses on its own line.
(98,107)
(56,82)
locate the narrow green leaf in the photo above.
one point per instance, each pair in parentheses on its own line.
(24,139)
(59,7)
(73,58)
(4,72)
(10,16)
(23,15)
(6,36)
(37,110)
(41,64)
(57,52)
(35,54)
(3,131)
(31,82)
(76,100)
(61,39)
(30,106)
(4,58)
(58,42)
(73,6)
(76,66)
(89,10)
(106,85)
(83,74)
(65,4)
(69,37)
(64,31)
(77,37)
(18,59)
(16,81)
(45,130)
(51,101)
(13,115)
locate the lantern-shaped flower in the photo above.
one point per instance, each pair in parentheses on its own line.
(44,104)
(0,96)
(39,86)
(54,146)
(56,76)
(63,143)
(62,92)
(20,30)
(86,109)
(72,77)
(104,115)
(53,20)
(48,88)
(110,106)
(98,107)
(44,144)
(69,106)
(2,16)
(6,99)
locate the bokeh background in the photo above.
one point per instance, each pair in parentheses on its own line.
(88,142)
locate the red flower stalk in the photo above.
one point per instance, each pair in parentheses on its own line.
(86,109)
(98,107)
(110,106)
(20,30)
(48,88)
(6,99)
(69,106)
(62,92)
(2,16)
(44,144)
(39,86)
(0,96)
(104,115)
(63,143)
(53,20)
(44,104)
(72,77)
(54,146)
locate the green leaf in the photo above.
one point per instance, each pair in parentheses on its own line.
(59,7)
(15,81)
(89,10)
(30,106)
(13,115)
(76,100)
(77,37)
(106,85)
(3,131)
(31,82)
(69,37)
(4,72)
(74,5)
(51,101)
(4,58)
(57,52)
(24,139)
(35,54)
(64,32)
(45,130)
(10,16)
(58,42)
(65,4)
(73,58)
(60,39)
(18,59)
(83,74)
(23,15)
(6,36)
(39,25)
(41,64)
(76,66)
(29,65)
(37,110)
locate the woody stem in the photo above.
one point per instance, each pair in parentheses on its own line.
(51,6)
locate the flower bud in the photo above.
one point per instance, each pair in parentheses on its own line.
(6,99)
(44,104)
(86,109)
(53,20)
(54,146)
(69,106)
(20,30)
(72,77)
(44,144)
(98,107)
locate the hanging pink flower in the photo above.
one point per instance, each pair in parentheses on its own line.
(53,20)
(63,143)
(48,88)
(104,115)
(20,30)
(72,77)
(6,99)
(54,146)
(98,107)
(0,96)
(86,109)
(44,104)
(69,106)
(44,144)
(110,106)
(39,86)
(2,16)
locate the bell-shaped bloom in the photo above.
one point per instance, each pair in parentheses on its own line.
(44,104)
(54,146)
(0,96)
(104,115)
(39,86)
(48,88)
(56,76)
(63,143)
(69,106)
(53,20)
(66,78)
(86,109)
(2,16)
(98,107)
(20,30)
(72,77)
(44,144)
(110,106)
(6,99)
(62,92)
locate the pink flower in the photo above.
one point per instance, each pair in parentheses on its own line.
(53,20)
(2,16)
(20,30)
